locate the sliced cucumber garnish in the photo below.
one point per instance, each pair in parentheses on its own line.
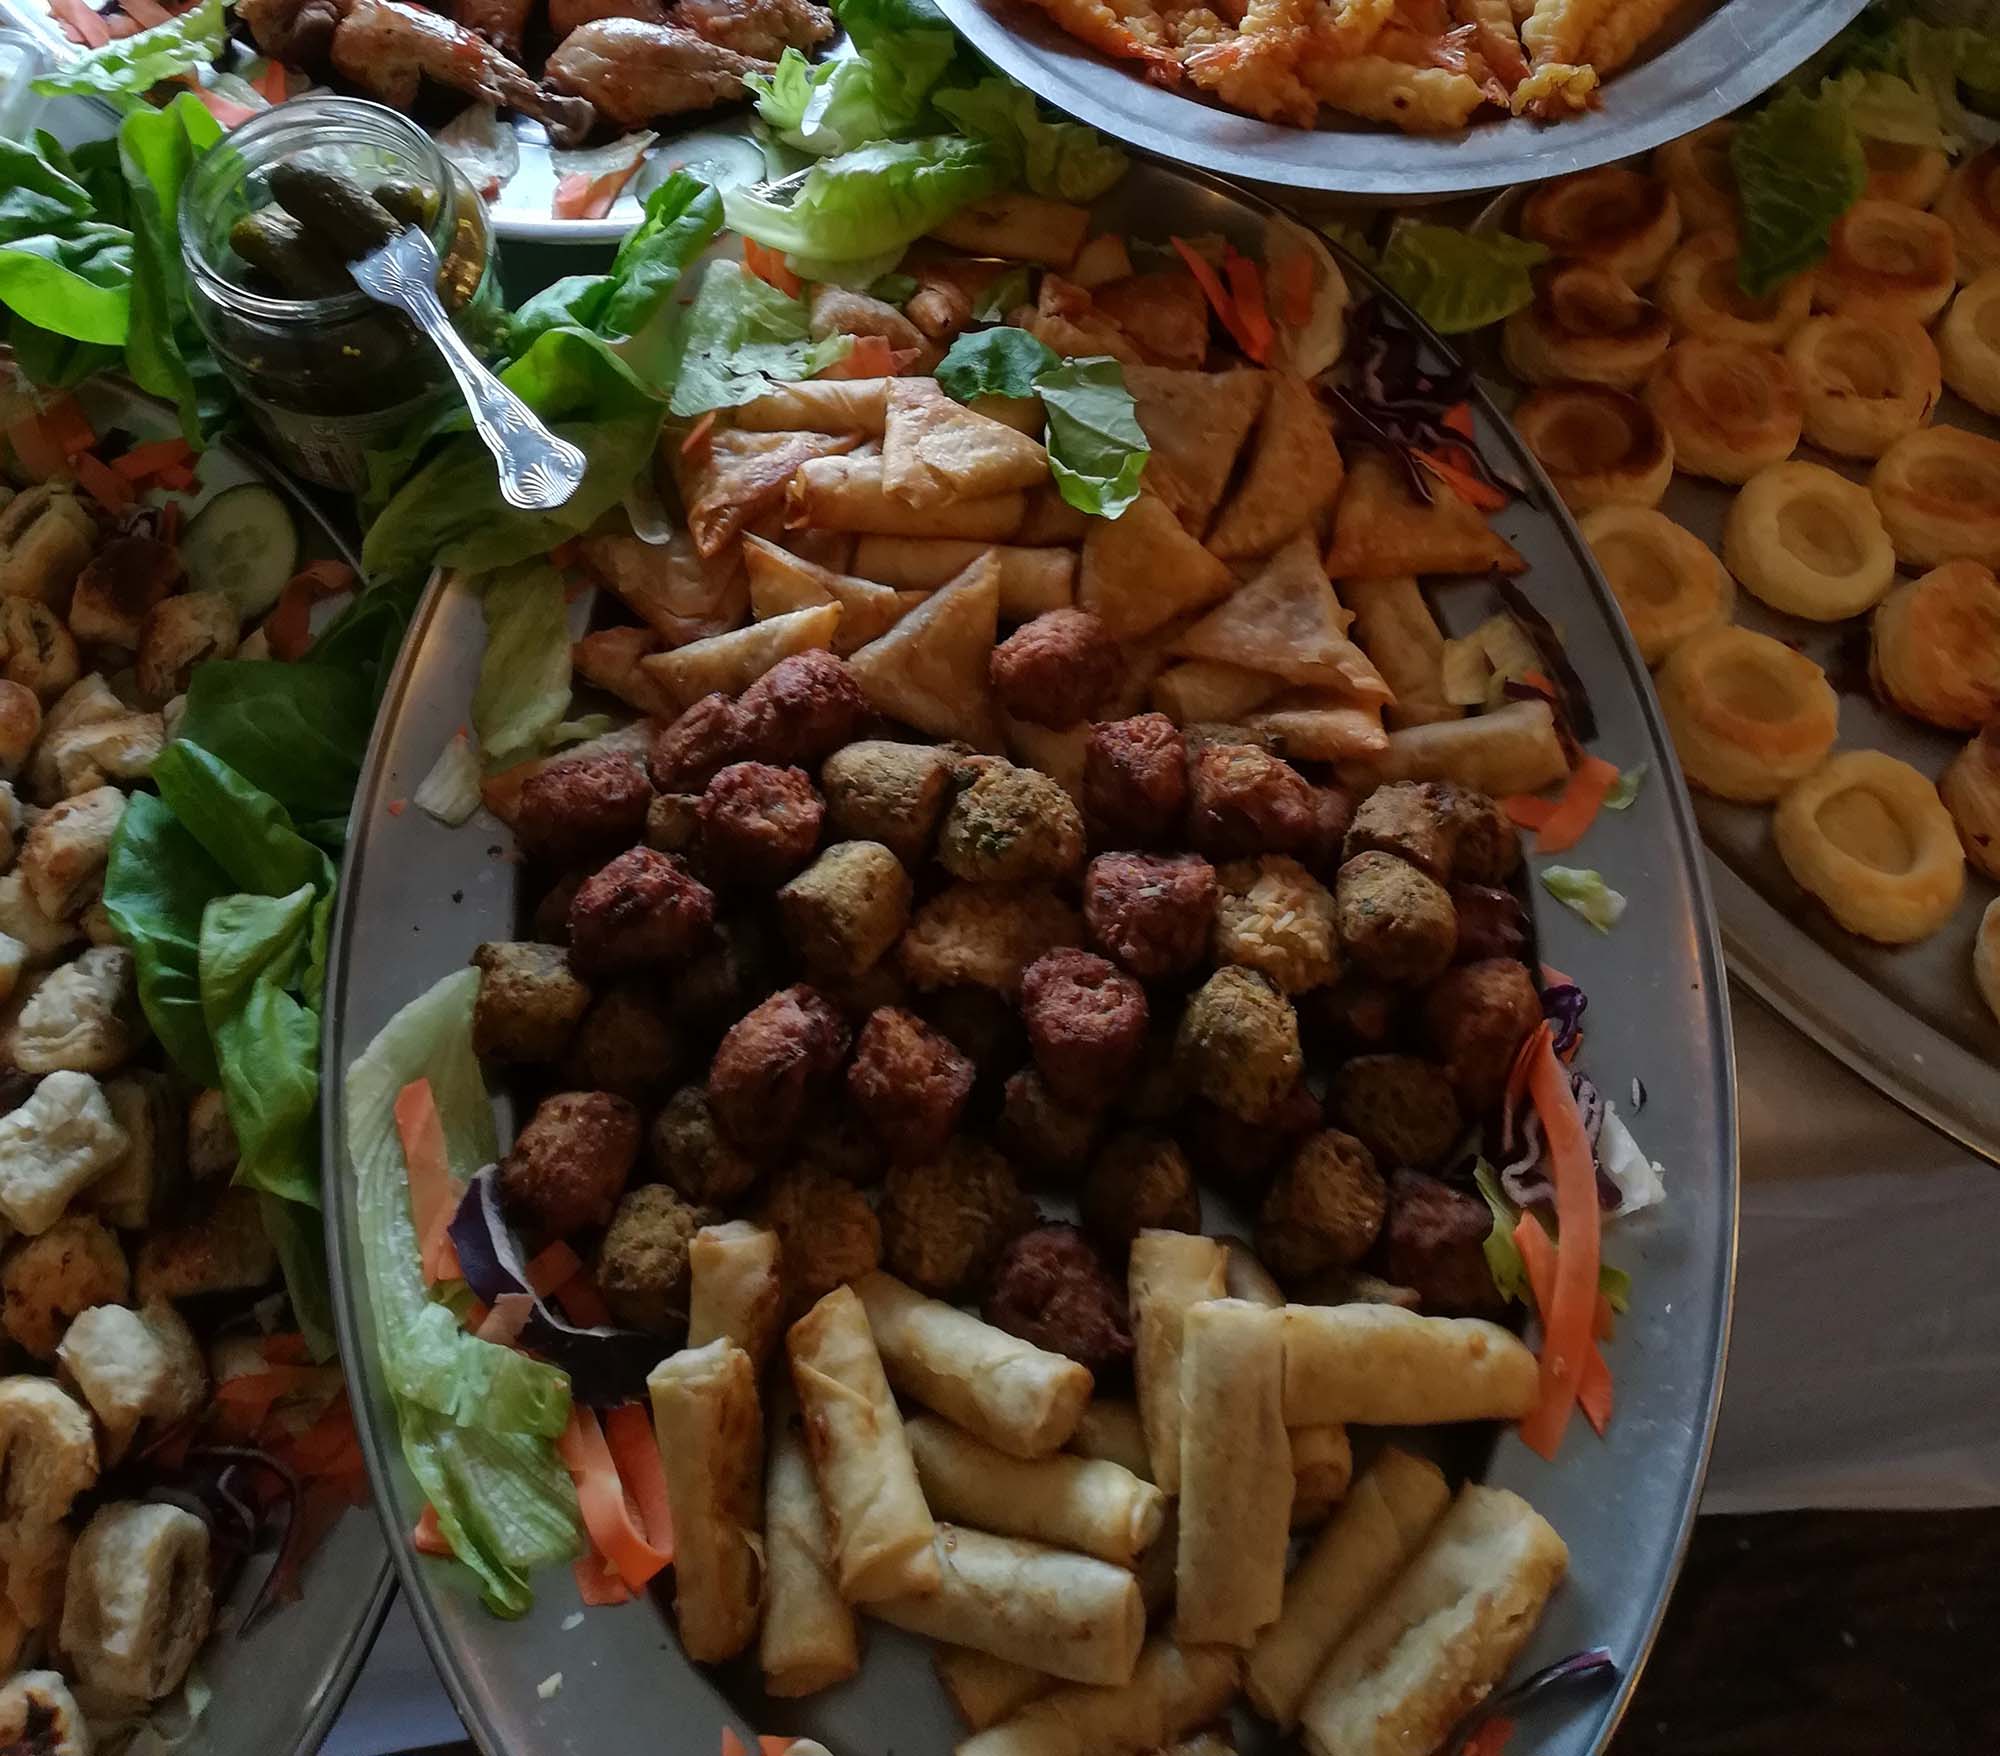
(245,544)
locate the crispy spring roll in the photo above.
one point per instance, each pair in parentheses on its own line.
(1169,1271)
(1110,1428)
(819,405)
(733,1289)
(1031,580)
(711,1437)
(1349,1566)
(1380,1366)
(1079,1503)
(1236,1474)
(875,1512)
(986,1689)
(1048,1609)
(1395,628)
(1173,1690)
(1513,749)
(851,497)
(1017,1397)
(808,1641)
(1431,1650)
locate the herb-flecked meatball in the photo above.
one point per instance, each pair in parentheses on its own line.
(578,806)
(1239,1157)
(1357,1016)
(570,1163)
(908,1082)
(673,823)
(985,935)
(827,1234)
(1056,670)
(946,1219)
(1238,1043)
(1052,1289)
(709,734)
(1011,825)
(529,1002)
(802,709)
(1491,922)
(1401,1108)
(759,824)
(643,908)
(1152,912)
(1394,922)
(1477,1015)
(1486,844)
(642,1265)
(1409,819)
(846,909)
(1135,780)
(694,1155)
(1274,916)
(627,1044)
(887,792)
(1435,1244)
(1086,1024)
(771,1062)
(1244,801)
(1139,1182)
(1042,1132)
(1324,1210)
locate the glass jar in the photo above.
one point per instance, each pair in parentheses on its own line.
(330,379)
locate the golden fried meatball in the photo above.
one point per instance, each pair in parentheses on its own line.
(827,1232)
(1238,1043)
(985,934)
(1011,825)
(946,1219)
(758,823)
(1042,1132)
(1244,801)
(1153,912)
(529,1002)
(1086,1024)
(570,1163)
(1324,1210)
(1139,1182)
(627,1044)
(642,1265)
(1477,1015)
(579,806)
(1056,670)
(1135,780)
(887,792)
(46,1280)
(708,735)
(1394,922)
(1401,1108)
(802,709)
(1274,916)
(694,1155)
(1485,843)
(1409,819)
(846,909)
(1052,1289)
(1435,1244)
(643,908)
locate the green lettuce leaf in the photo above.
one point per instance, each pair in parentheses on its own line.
(1626,787)
(1882,106)
(63,268)
(524,673)
(298,1234)
(739,332)
(243,829)
(1007,291)
(1068,161)
(1459,281)
(131,66)
(1799,166)
(994,362)
(1503,1256)
(1584,892)
(295,731)
(1097,449)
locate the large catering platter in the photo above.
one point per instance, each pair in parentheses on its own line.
(419,897)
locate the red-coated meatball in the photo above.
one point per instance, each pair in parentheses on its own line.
(771,1062)
(803,709)
(1152,912)
(1056,670)
(1491,922)
(908,1082)
(1477,1015)
(1435,1243)
(643,908)
(705,737)
(1086,1024)
(1042,1132)
(569,1164)
(758,823)
(1243,801)
(1332,812)
(1134,779)
(589,805)
(1051,1288)
(1239,1157)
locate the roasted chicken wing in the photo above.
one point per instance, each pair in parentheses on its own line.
(566,16)
(632,71)
(501,22)
(764,28)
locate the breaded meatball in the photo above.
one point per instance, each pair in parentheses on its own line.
(1052,1289)
(1156,1089)
(583,805)
(1138,1182)
(946,1219)
(1357,1016)
(985,934)
(627,1044)
(551,917)
(1435,1244)
(643,908)
(1399,1107)
(771,1062)
(694,1155)
(1274,916)
(1153,912)
(1409,819)
(1057,670)
(880,984)
(827,1233)
(1239,1157)
(1042,1132)
(570,1163)
(1238,1043)
(1332,812)
(759,824)
(802,709)
(529,1002)
(1135,780)
(1477,1016)
(1398,925)
(1491,922)
(742,963)
(46,1280)
(708,735)
(1324,1209)
(1244,801)
(846,909)
(1011,825)
(1086,1025)
(642,1265)
(982,1023)
(1486,844)
(892,793)
(908,1083)
(832,1141)
(223,1250)
(673,823)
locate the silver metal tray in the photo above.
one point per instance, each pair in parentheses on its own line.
(418,897)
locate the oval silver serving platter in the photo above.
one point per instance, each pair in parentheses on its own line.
(418,897)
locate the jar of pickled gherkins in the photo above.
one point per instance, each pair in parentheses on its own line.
(268,221)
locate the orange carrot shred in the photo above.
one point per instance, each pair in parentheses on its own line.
(582,1303)
(549,1269)
(1213,291)
(770,267)
(1590,783)
(597,1582)
(434,1191)
(288,1349)
(103,484)
(1538,1256)
(1458,419)
(1526,811)
(698,434)
(1292,282)
(770,1744)
(37,449)
(628,1431)
(396,807)
(1246,289)
(607,1515)
(271,84)
(870,357)
(148,460)
(1462,482)
(80,23)
(229,113)
(1490,1739)
(732,1745)
(146,13)
(428,1537)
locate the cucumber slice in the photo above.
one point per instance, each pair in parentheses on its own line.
(243,543)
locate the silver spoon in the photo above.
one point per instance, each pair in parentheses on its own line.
(538,471)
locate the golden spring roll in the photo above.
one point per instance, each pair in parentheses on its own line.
(1155,1568)
(1236,1474)
(1394,626)
(1078,1503)
(986,1689)
(818,405)
(1512,749)
(808,1641)
(711,1438)
(1031,580)
(851,497)
(1048,1609)
(1110,1428)
(1380,1366)
(1019,1398)
(1169,1271)
(875,1512)
(1350,1564)
(733,1288)
(1173,1690)
(1432,1649)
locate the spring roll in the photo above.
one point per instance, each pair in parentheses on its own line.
(1236,1474)
(819,405)
(1048,1609)
(852,497)
(1395,628)
(879,1525)
(1173,1690)
(1348,1567)
(711,1438)
(1110,1428)
(986,1689)
(808,1641)
(1169,1271)
(1031,580)
(1381,1366)
(733,1289)
(1512,749)
(1432,1649)
(1079,1503)
(1017,1397)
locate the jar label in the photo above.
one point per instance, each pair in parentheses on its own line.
(332,450)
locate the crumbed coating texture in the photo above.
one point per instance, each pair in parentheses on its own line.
(1409,819)
(581,806)
(1240,1157)
(707,735)
(550,921)
(1324,1210)
(1274,916)
(1086,1024)
(846,909)
(741,963)
(1051,1288)
(1435,1244)
(772,1062)
(570,1163)
(1152,912)
(1138,1182)
(984,1025)
(803,709)
(1477,1015)
(1043,1133)
(627,1044)
(1011,825)
(642,1265)
(1398,1106)
(758,823)
(529,1004)
(887,792)
(1135,780)
(643,908)
(832,1141)
(1056,670)
(946,1219)
(1394,922)
(1332,813)
(46,1280)
(1238,1043)
(828,1235)
(224,1250)
(1244,801)
(693,1154)
(673,823)
(908,1083)
(1486,845)
(985,934)
(1491,922)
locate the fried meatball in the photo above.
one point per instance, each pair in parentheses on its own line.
(771,1062)
(1486,845)
(886,792)
(846,909)
(551,917)
(985,934)
(946,1219)
(582,805)
(1086,1024)
(981,1023)
(1239,1157)
(1042,1132)
(1138,1182)
(1153,912)
(759,824)
(643,908)
(1435,1244)
(673,823)
(47,1279)
(1477,1015)
(1491,922)
(1051,1288)
(1394,922)
(1332,812)
(642,1265)
(1324,1209)
(1401,1108)
(1274,916)
(627,1044)
(880,984)
(1238,1043)
(832,1141)
(741,965)
(1135,780)
(693,1154)
(1010,826)
(827,1234)
(1057,670)
(1244,801)
(908,1083)
(709,734)
(1357,1016)
(529,1002)
(570,1163)
(802,709)
(1409,819)
(1155,1090)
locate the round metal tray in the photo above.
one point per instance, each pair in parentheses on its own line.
(419,897)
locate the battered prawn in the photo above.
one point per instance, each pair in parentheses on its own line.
(1135,35)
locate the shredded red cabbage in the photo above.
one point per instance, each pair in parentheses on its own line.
(1563,1005)
(242,1494)
(1521,1153)
(1549,649)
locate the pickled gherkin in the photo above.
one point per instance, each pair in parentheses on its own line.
(335,211)
(276,249)
(414,203)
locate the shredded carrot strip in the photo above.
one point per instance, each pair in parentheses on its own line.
(224,110)
(1213,291)
(770,267)
(1462,482)
(176,481)
(148,460)
(732,1745)
(770,1744)
(272,85)
(628,1431)
(597,1582)
(870,357)
(168,527)
(1526,811)
(288,628)
(68,426)
(509,1316)
(1292,281)
(251,1388)
(582,1302)
(1490,1739)
(1246,289)
(288,1349)
(434,1192)
(552,1268)
(1458,419)
(1554,978)
(103,484)
(146,12)
(1589,783)
(582,196)
(1538,1256)
(80,23)
(698,434)
(428,1537)
(607,1515)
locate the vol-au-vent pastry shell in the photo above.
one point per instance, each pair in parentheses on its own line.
(1938,491)
(1886,258)
(1868,836)
(1668,582)
(1749,716)
(1601,447)
(1934,648)
(1968,342)
(1585,325)
(1970,788)
(1970,205)
(1901,172)
(1696,168)
(1864,381)
(1621,219)
(1807,541)
(1729,409)
(1699,291)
